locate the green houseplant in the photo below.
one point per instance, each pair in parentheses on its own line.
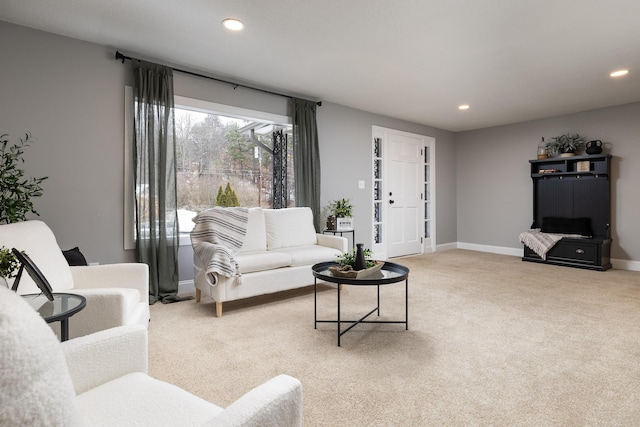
(566,144)
(16,191)
(340,208)
(9,265)
(356,263)
(349,259)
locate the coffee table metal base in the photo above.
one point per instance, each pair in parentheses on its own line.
(353,323)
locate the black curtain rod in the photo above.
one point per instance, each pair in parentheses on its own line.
(121,57)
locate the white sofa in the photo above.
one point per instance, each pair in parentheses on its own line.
(278,250)
(101,380)
(117,294)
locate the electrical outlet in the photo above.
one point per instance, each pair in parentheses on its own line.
(361,184)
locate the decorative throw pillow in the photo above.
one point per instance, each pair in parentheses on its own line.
(289,227)
(255,239)
(581,226)
(74,257)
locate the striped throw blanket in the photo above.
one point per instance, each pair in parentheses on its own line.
(216,239)
(541,243)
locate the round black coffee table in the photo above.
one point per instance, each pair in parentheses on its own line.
(390,273)
(60,309)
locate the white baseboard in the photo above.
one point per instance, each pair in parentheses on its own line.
(619,264)
(491,249)
(624,264)
(446,247)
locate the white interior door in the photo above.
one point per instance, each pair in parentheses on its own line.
(403,183)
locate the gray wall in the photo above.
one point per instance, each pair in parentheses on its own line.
(70,95)
(494,190)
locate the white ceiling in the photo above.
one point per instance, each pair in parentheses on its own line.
(417,60)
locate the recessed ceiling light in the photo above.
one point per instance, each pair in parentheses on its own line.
(463,107)
(233,24)
(619,73)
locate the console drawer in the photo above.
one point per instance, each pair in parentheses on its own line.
(592,254)
(582,252)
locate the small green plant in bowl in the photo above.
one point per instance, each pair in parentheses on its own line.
(347,265)
(347,260)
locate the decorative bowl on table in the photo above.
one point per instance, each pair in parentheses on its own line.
(348,271)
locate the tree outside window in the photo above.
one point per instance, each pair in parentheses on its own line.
(214,152)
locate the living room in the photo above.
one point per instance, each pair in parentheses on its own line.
(69,94)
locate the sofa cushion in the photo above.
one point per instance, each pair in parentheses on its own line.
(262,260)
(309,254)
(112,404)
(289,227)
(256,237)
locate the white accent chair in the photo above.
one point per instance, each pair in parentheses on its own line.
(117,294)
(101,380)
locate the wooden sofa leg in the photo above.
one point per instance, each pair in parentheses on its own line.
(218,309)
(198,292)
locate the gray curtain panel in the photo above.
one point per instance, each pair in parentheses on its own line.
(306,155)
(155,178)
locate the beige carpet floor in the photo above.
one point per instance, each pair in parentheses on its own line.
(492,341)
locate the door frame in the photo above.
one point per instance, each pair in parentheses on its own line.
(379,249)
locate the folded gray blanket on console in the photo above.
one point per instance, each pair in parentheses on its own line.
(541,243)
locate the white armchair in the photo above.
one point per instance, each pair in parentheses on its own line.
(101,380)
(117,294)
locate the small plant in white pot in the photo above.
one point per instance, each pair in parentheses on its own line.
(340,215)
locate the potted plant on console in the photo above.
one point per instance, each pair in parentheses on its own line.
(566,145)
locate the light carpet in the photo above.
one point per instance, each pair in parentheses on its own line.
(492,341)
